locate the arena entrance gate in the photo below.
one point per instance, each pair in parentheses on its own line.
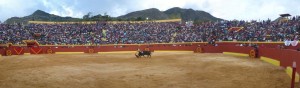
(33,46)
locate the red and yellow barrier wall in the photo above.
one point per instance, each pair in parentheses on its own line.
(269,52)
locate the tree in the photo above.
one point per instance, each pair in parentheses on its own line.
(140,19)
(87,16)
(105,16)
(175,16)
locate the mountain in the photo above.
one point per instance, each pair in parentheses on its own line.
(172,13)
(39,15)
(175,13)
(190,15)
(152,13)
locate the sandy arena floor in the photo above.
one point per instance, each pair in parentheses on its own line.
(163,70)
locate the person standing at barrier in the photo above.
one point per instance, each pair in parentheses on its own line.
(137,53)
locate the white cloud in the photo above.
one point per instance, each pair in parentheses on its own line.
(248,9)
(117,11)
(12,8)
(166,4)
(62,8)
(229,9)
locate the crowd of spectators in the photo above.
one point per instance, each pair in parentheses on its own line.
(150,32)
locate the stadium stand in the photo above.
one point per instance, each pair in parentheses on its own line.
(149,32)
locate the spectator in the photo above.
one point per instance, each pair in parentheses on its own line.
(149,32)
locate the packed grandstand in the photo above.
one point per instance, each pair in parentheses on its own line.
(150,32)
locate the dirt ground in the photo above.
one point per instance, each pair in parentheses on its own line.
(163,70)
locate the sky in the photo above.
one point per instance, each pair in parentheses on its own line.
(225,9)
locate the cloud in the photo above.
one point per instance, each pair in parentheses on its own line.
(247,9)
(11,8)
(229,9)
(62,8)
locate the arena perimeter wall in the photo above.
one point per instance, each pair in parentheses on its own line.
(269,52)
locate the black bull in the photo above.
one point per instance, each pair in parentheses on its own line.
(143,53)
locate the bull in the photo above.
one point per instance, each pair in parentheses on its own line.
(143,53)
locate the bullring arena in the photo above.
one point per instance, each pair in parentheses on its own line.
(180,65)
